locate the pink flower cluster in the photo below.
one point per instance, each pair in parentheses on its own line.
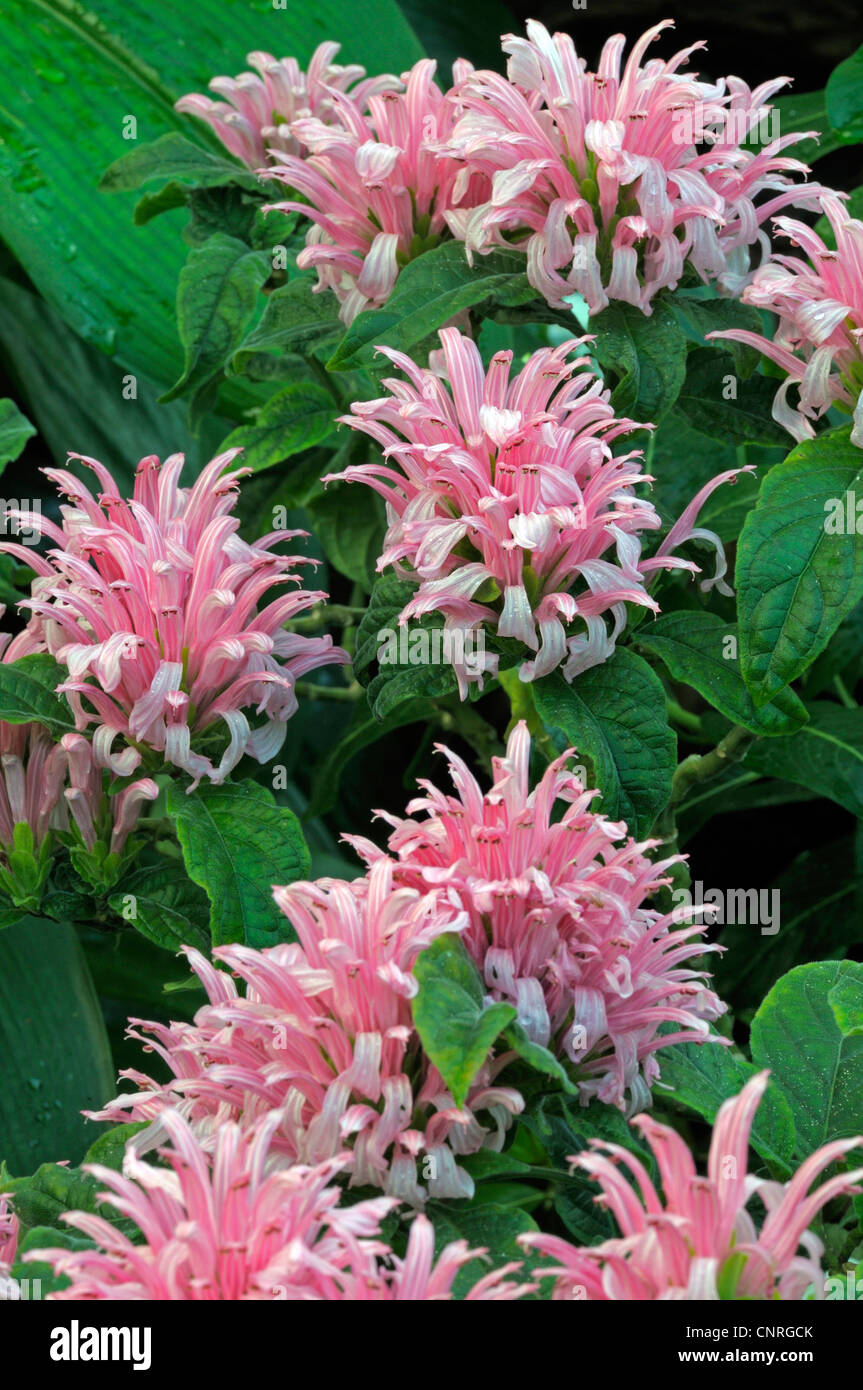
(819,304)
(508,507)
(152,605)
(234,1224)
(377,190)
(257,109)
(324,1033)
(613,181)
(557,922)
(701,1243)
(8,1246)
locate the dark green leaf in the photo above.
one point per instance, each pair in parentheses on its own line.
(811,1057)
(614,716)
(429,292)
(795,581)
(844,98)
(720,404)
(237,844)
(350,523)
(489,1227)
(364,729)
(173,157)
(27,689)
(648,356)
(164,906)
(15,430)
(693,645)
(295,317)
(296,418)
(56,1058)
(456,1029)
(216,298)
(826,755)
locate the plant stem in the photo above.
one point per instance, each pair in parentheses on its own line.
(329,692)
(844,693)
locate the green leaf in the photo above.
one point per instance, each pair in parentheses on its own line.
(350,523)
(429,292)
(73,73)
(490,1227)
(164,906)
(826,755)
(456,1030)
(296,418)
(173,157)
(27,695)
(844,97)
(795,581)
(698,317)
(807,111)
(693,645)
(295,317)
(15,430)
(216,298)
(614,716)
(703,1075)
(56,1058)
(811,1057)
(647,354)
(744,416)
(237,844)
(539,1057)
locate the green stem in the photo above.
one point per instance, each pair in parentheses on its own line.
(329,692)
(684,717)
(323,615)
(523,706)
(844,693)
(702,766)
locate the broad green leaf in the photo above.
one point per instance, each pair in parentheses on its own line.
(295,317)
(735,790)
(15,430)
(811,1057)
(237,845)
(699,316)
(27,693)
(795,580)
(490,1227)
(165,906)
(216,298)
(170,158)
(296,418)
(683,460)
(701,649)
(648,356)
(826,755)
(844,98)
(614,716)
(350,523)
(429,292)
(539,1057)
(807,111)
(55,1055)
(93,406)
(456,1029)
(715,400)
(36,1278)
(73,74)
(703,1075)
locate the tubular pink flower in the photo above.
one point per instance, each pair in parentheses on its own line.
(376,188)
(556,917)
(235,1225)
(699,1242)
(258,108)
(95,813)
(152,605)
(508,508)
(819,302)
(325,1034)
(598,177)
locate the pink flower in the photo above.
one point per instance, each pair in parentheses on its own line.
(325,1034)
(255,117)
(820,309)
(508,508)
(8,1247)
(701,1243)
(377,190)
(152,606)
(597,176)
(236,1225)
(557,921)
